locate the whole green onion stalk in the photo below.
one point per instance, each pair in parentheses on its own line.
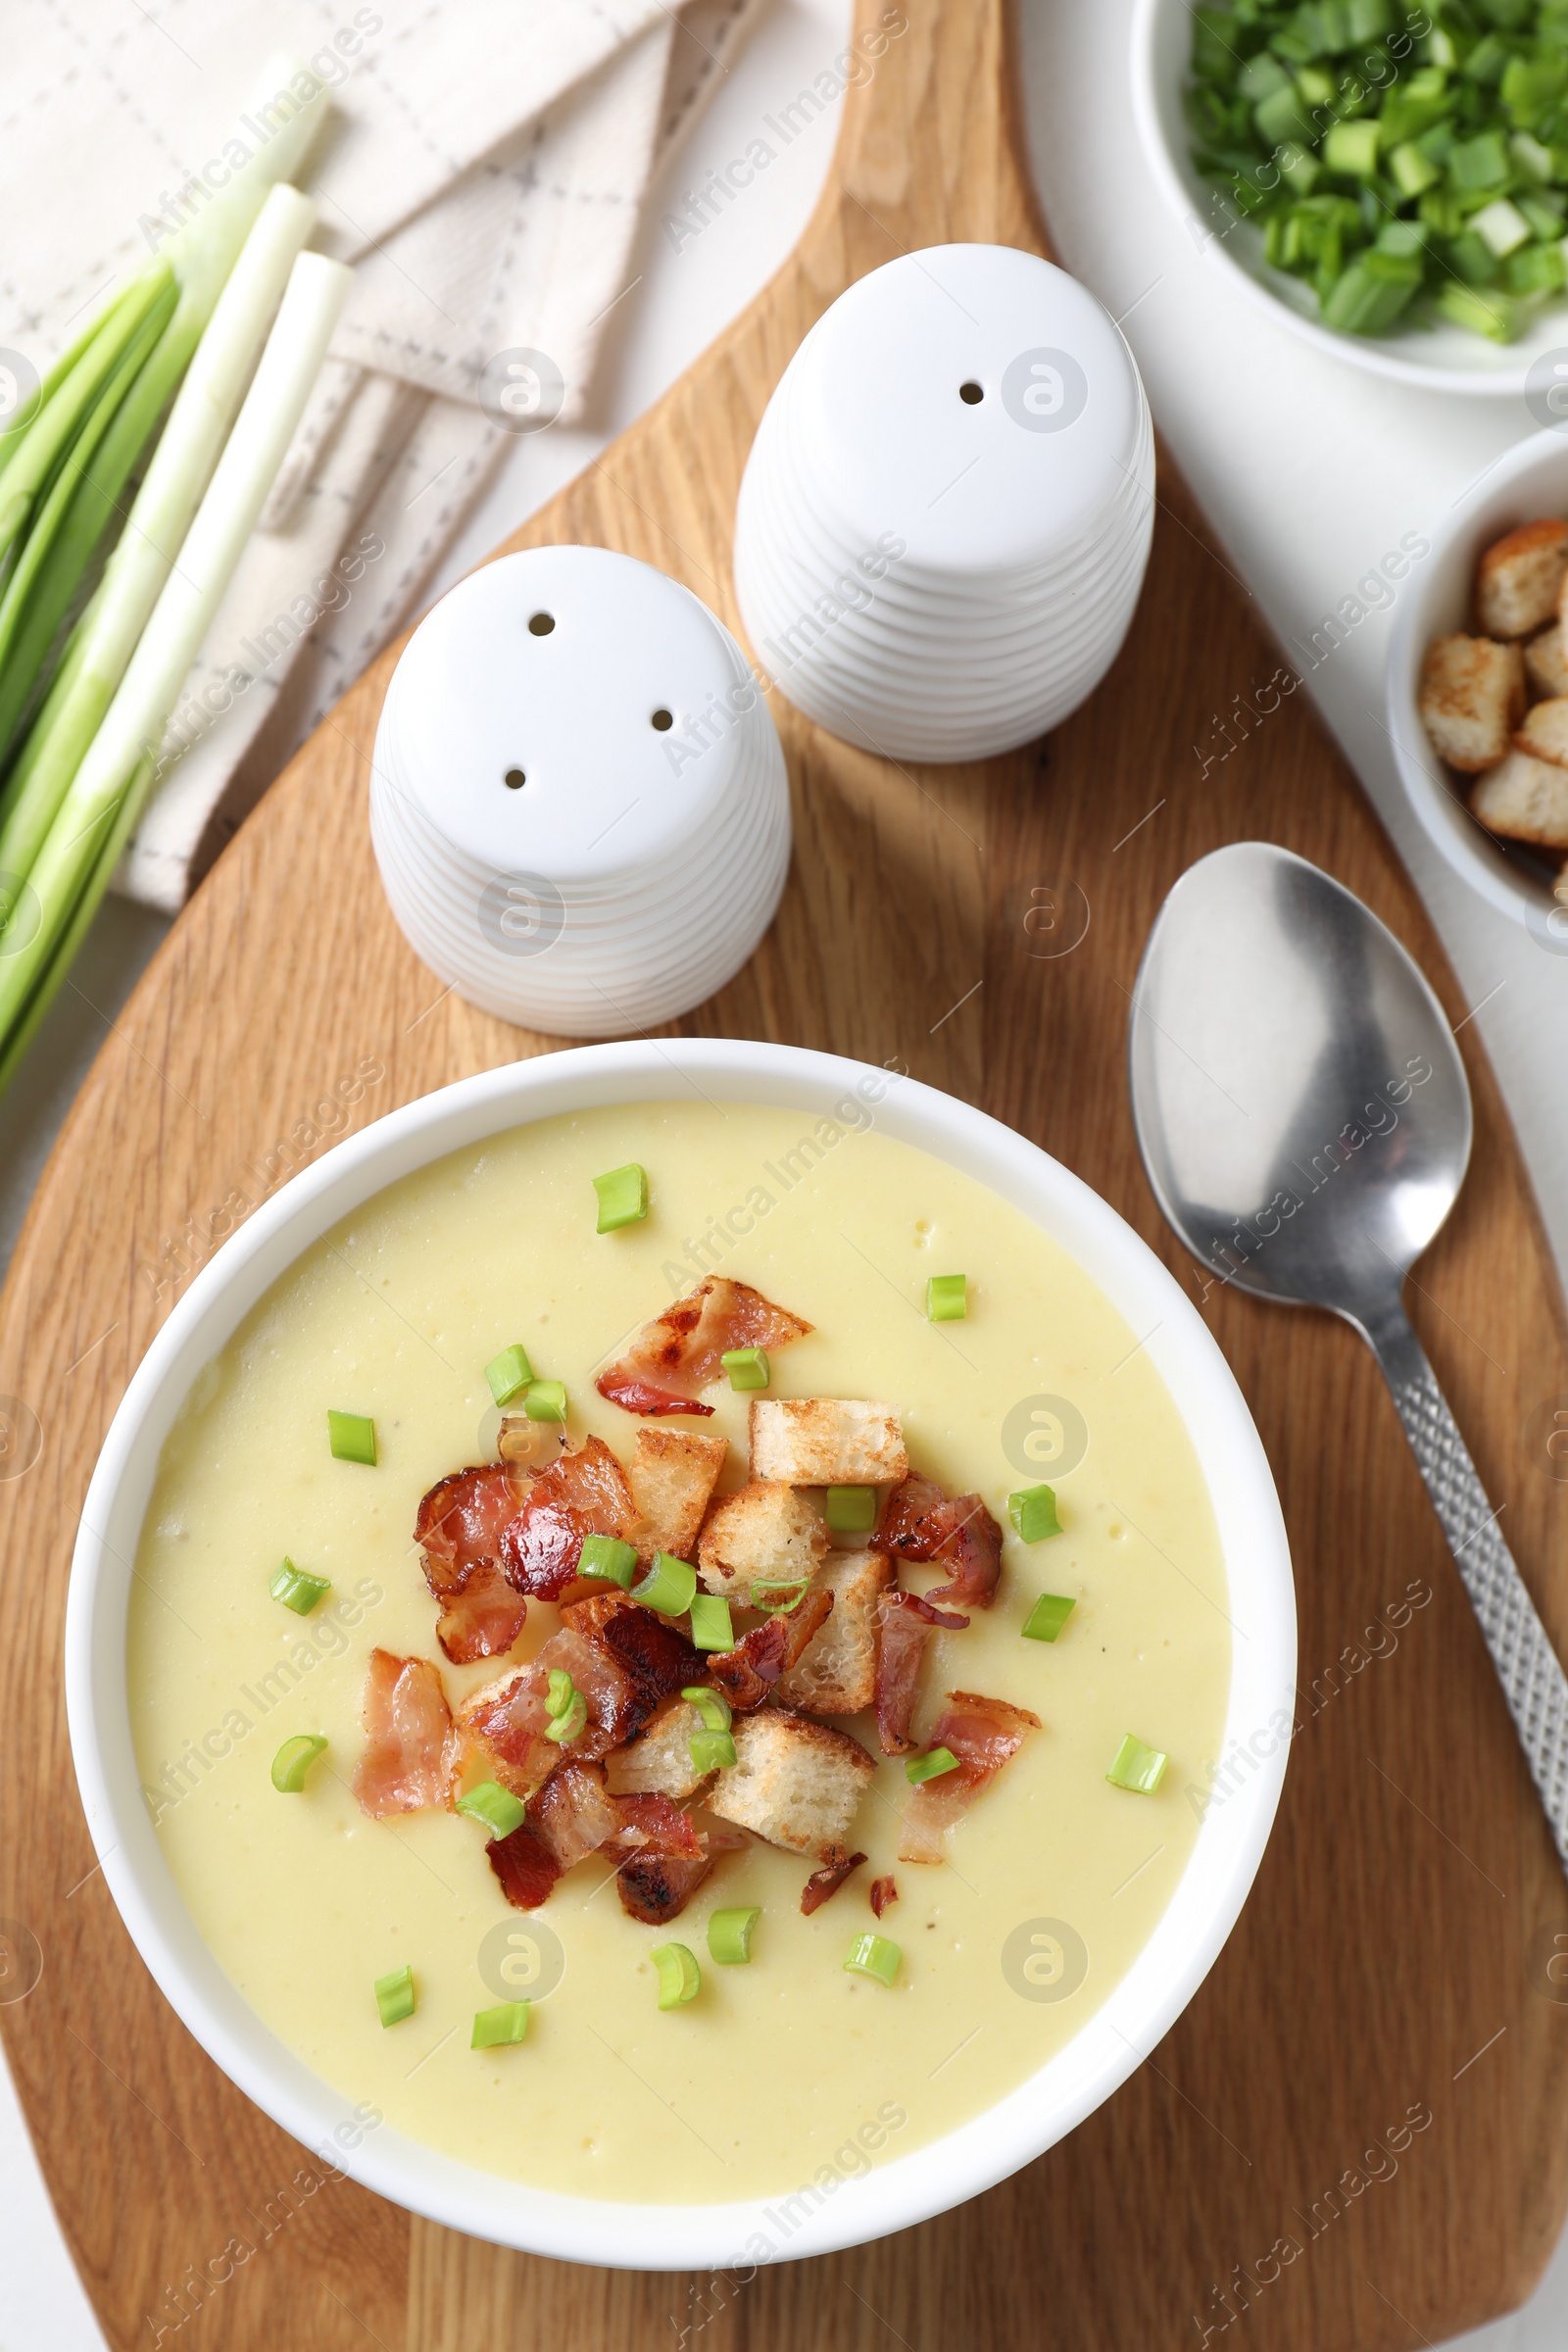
(97,787)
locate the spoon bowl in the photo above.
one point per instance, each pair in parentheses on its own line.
(1305,1120)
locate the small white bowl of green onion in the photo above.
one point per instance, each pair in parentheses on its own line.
(1389,177)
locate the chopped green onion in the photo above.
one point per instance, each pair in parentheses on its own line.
(563,1729)
(851,1510)
(293,1761)
(497,1807)
(565,1706)
(747,1367)
(932,1765)
(1033,1512)
(394,1996)
(608,1557)
(297,1590)
(669,1586)
(1352,148)
(623,1196)
(351,1438)
(874,1956)
(947,1297)
(779,1596)
(679,1975)
(1494,314)
(711,1629)
(509,1373)
(711,1705)
(1047,1618)
(1502,225)
(545,1401)
(1137,1767)
(729,1935)
(501,2028)
(713,1752)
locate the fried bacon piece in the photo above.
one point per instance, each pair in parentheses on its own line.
(883,1893)
(961,1534)
(983,1734)
(904,1625)
(827,1881)
(664,1861)
(524,1865)
(460,1525)
(748,1673)
(624,1658)
(407,1761)
(680,1351)
(573,1813)
(582,1494)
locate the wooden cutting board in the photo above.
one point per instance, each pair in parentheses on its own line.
(982,924)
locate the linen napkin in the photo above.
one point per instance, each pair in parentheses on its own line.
(485,169)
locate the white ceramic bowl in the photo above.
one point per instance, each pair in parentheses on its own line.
(1135,2014)
(1439,358)
(1532,480)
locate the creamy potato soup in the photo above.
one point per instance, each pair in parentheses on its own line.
(785,2067)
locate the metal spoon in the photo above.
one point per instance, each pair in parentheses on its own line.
(1304,1119)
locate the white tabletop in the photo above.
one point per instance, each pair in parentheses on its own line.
(1308,470)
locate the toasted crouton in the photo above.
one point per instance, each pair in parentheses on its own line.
(1525,799)
(1544,731)
(797,1784)
(662,1760)
(1546,661)
(1472,698)
(1519,578)
(827,1441)
(764,1528)
(672,1475)
(836,1672)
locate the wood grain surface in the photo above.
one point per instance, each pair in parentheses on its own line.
(1393,1956)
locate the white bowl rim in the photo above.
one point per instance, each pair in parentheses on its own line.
(1463,843)
(904,2189)
(1374,356)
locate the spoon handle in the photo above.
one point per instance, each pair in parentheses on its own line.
(1527,1667)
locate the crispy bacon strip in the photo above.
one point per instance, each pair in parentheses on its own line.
(573,1813)
(904,1625)
(960,1534)
(582,1494)
(526,1868)
(408,1754)
(827,1881)
(680,1351)
(983,1734)
(622,1657)
(666,1860)
(746,1673)
(460,1525)
(907,1505)
(883,1893)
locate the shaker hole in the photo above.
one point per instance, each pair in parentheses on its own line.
(663,721)
(971,392)
(515,779)
(541,624)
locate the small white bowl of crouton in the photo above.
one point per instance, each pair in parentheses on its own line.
(1478,689)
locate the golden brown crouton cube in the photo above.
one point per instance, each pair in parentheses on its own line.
(836,1672)
(661,1760)
(827,1441)
(1525,799)
(1546,661)
(1519,578)
(796,1782)
(1472,698)
(672,1475)
(1544,731)
(764,1528)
